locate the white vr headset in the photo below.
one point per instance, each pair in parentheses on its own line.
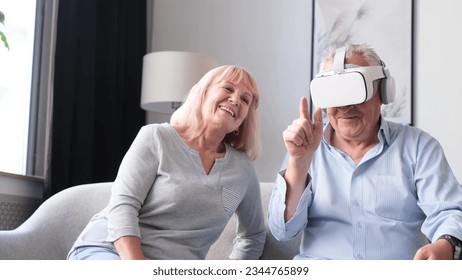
(350,85)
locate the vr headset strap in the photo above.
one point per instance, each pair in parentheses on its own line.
(339,60)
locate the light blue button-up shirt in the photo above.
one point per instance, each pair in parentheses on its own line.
(401,196)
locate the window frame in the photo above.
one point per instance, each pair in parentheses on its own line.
(38,144)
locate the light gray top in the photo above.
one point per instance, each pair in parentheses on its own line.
(163,195)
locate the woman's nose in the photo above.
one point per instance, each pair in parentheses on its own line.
(234,99)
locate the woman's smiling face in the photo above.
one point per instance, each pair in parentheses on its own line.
(227,105)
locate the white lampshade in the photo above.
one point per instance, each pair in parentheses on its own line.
(168,76)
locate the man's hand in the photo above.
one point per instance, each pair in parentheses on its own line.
(439,250)
(301,139)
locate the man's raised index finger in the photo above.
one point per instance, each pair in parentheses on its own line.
(304,113)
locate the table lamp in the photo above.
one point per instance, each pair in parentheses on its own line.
(168,76)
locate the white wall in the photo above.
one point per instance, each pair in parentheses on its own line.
(272,39)
(438,59)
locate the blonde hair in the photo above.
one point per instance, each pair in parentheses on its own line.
(189,114)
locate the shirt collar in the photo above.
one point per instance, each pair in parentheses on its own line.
(384,132)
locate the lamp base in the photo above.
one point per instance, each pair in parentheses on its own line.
(176,105)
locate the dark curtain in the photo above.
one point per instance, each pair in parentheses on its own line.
(96,102)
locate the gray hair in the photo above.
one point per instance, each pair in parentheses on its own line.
(364,50)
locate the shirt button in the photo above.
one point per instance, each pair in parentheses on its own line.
(357,173)
(359,256)
(359,225)
(356,204)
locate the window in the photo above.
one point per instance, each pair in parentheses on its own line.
(15,83)
(25,71)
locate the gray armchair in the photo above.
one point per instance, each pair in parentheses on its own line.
(52,229)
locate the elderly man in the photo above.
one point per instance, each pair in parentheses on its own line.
(363,187)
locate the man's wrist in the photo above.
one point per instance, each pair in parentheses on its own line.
(456,245)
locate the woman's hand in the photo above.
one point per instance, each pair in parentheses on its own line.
(129,248)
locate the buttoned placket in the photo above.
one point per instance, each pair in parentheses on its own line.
(357,214)
(358,219)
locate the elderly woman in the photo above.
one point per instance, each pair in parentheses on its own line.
(180,182)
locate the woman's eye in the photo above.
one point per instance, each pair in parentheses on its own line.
(246,100)
(229,89)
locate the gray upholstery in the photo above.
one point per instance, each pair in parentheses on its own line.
(51,230)
(55,225)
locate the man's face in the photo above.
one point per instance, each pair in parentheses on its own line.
(356,122)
